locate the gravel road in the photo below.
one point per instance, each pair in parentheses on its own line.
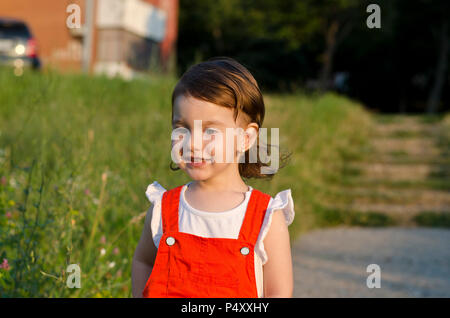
(414,262)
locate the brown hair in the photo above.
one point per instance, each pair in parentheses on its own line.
(225,82)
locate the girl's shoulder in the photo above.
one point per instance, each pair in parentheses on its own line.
(282,201)
(154,192)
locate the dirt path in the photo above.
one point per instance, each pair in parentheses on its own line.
(405,177)
(414,262)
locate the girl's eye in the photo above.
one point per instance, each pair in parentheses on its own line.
(210,131)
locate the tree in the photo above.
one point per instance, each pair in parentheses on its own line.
(441,69)
(337,19)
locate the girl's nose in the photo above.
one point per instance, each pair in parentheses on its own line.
(193,144)
(196,143)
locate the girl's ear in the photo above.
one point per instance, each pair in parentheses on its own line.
(251,134)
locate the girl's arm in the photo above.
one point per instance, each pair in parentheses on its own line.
(277,271)
(144,258)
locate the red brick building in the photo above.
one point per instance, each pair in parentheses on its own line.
(126,35)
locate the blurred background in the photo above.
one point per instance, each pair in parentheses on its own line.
(106,36)
(399,67)
(360,94)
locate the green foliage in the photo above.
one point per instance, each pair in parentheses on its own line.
(287,44)
(285,38)
(77,153)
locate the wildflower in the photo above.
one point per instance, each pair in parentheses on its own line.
(102,252)
(116,251)
(87,191)
(13,182)
(103,239)
(5,264)
(111,265)
(8,215)
(73,222)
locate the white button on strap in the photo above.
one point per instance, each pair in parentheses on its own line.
(245,251)
(170,241)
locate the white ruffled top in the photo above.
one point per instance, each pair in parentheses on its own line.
(224,224)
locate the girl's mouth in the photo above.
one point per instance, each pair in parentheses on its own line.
(198,164)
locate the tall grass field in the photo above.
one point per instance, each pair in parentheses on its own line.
(76,156)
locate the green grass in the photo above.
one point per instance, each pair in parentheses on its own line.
(444,136)
(431,119)
(406,134)
(398,154)
(433,219)
(429,183)
(336,217)
(386,118)
(77,153)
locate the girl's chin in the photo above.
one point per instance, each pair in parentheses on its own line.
(198,175)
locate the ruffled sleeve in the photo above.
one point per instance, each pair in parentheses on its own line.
(282,201)
(154,194)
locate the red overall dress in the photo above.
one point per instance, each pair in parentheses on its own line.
(187,265)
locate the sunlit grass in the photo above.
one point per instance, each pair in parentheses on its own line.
(77,153)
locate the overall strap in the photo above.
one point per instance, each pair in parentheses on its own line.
(169,209)
(254,216)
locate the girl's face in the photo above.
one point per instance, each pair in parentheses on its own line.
(205,137)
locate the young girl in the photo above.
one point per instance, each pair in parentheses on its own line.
(215,236)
